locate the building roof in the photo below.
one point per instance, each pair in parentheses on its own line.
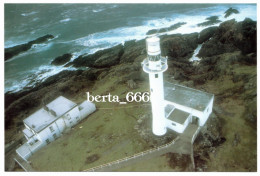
(24,151)
(178,116)
(186,96)
(45,116)
(28,133)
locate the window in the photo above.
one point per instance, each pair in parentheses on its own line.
(173,124)
(54,136)
(31,143)
(77,117)
(51,128)
(156,75)
(47,141)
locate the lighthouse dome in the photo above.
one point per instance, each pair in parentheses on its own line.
(153,46)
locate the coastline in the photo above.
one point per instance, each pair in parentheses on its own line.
(227,69)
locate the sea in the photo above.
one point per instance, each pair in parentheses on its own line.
(88,28)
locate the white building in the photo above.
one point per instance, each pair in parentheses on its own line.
(173,106)
(48,123)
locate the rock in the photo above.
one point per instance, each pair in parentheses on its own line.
(176,26)
(101,59)
(132,50)
(13,51)
(172,27)
(246,43)
(92,158)
(231,36)
(210,21)
(152,31)
(242,35)
(131,84)
(162,30)
(62,59)
(214,47)
(230,11)
(179,46)
(206,34)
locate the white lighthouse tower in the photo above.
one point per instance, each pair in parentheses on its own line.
(155,65)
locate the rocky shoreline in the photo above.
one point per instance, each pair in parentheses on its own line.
(228,52)
(15,50)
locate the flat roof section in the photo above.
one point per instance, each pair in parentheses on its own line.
(24,151)
(61,105)
(28,133)
(178,116)
(186,96)
(39,120)
(43,118)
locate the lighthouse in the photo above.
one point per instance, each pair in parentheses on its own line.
(155,65)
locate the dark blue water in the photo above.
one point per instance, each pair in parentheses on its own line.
(86,28)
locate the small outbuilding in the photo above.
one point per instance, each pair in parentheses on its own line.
(184,104)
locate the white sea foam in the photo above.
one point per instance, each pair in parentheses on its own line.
(110,38)
(34,77)
(65,20)
(34,49)
(106,39)
(97,10)
(11,43)
(194,56)
(28,14)
(36,19)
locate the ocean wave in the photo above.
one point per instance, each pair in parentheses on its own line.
(36,48)
(28,14)
(36,19)
(65,20)
(110,38)
(34,77)
(97,10)
(101,40)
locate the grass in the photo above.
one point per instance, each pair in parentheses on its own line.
(107,133)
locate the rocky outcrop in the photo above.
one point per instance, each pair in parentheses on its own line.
(101,59)
(230,11)
(13,51)
(210,21)
(61,60)
(231,36)
(206,34)
(179,46)
(161,30)
(133,50)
